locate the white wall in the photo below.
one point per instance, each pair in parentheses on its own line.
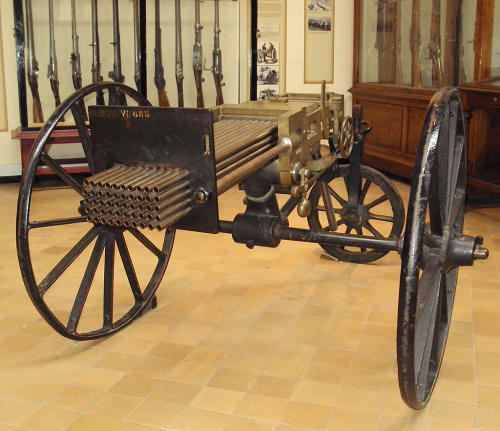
(343,55)
(10,157)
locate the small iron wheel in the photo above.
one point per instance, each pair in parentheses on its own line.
(428,273)
(346,140)
(72,271)
(379,211)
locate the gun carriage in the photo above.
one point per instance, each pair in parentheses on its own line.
(157,169)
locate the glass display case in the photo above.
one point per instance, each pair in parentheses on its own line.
(403,51)
(417,43)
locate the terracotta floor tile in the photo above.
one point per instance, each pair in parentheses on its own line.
(261,407)
(281,339)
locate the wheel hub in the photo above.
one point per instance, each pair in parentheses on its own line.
(354,217)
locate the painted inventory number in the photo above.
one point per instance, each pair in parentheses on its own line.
(127,113)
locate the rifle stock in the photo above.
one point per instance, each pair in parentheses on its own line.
(198,57)
(32,65)
(179,73)
(198,79)
(159,77)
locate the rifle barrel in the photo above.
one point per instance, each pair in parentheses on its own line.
(32,65)
(217,58)
(198,57)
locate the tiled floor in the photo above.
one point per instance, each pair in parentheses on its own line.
(265,339)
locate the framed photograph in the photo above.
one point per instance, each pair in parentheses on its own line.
(321,5)
(268,75)
(319,23)
(268,52)
(266,92)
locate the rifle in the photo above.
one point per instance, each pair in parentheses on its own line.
(385,41)
(435,44)
(415,40)
(52,68)
(137,47)
(217,58)
(159,77)
(398,71)
(96,63)
(179,73)
(116,97)
(32,72)
(76,70)
(198,56)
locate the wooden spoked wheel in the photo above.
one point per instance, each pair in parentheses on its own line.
(86,280)
(376,210)
(429,270)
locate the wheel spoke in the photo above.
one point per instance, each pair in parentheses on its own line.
(425,285)
(147,243)
(129,267)
(61,172)
(364,190)
(88,277)
(381,217)
(376,202)
(369,227)
(339,199)
(109,272)
(427,351)
(56,222)
(330,212)
(81,127)
(68,259)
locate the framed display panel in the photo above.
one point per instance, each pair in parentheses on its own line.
(270,48)
(63,25)
(318,38)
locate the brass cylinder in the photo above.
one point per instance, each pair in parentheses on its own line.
(92,180)
(179,175)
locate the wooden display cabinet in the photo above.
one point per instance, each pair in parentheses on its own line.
(404,50)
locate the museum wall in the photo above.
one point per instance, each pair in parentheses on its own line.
(294,80)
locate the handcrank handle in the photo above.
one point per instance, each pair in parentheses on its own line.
(365,127)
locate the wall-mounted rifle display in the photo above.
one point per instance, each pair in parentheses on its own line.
(136,42)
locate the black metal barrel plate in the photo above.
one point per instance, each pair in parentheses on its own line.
(180,137)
